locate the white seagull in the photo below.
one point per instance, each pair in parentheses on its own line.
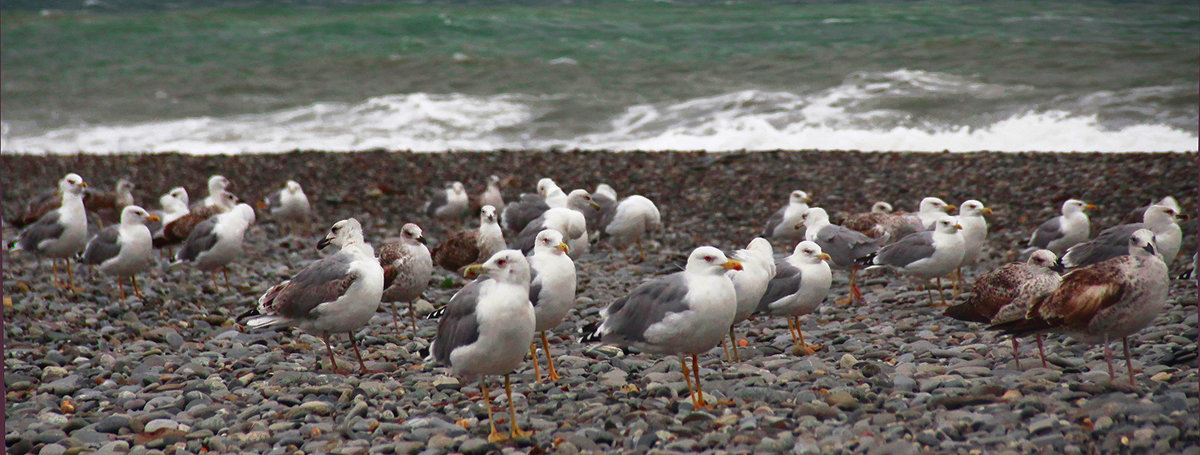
(450,202)
(60,233)
(845,247)
(335,294)
(635,216)
(290,205)
(1064,231)
(758,267)
(217,241)
(800,284)
(1112,242)
(217,185)
(974,232)
(551,291)
(927,254)
(123,250)
(785,224)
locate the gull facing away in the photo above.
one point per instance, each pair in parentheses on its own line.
(634,217)
(845,247)
(123,250)
(1103,301)
(1006,293)
(1112,242)
(335,294)
(684,313)
(758,267)
(486,328)
(801,283)
(1064,231)
(290,205)
(216,242)
(974,232)
(551,291)
(60,233)
(464,248)
(218,185)
(450,202)
(785,224)
(927,254)
(407,267)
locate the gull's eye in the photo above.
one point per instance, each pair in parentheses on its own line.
(501,262)
(708,258)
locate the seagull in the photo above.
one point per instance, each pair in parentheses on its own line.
(684,313)
(407,267)
(1006,293)
(174,205)
(1111,299)
(568,222)
(217,241)
(338,293)
(926,254)
(974,232)
(467,247)
(605,198)
(845,247)
(551,291)
(123,250)
(486,328)
(869,222)
(932,209)
(290,205)
(758,267)
(217,187)
(450,202)
(551,193)
(109,204)
(635,216)
(785,223)
(178,230)
(800,284)
(1113,242)
(60,233)
(1136,214)
(528,207)
(1064,231)
(492,196)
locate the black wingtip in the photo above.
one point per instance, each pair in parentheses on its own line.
(965,312)
(1059,267)
(437,314)
(251,313)
(867,260)
(1186,275)
(591,333)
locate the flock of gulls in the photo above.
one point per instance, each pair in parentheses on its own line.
(1096,289)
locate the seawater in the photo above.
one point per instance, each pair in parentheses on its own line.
(244,76)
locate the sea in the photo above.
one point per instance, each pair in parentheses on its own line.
(269,76)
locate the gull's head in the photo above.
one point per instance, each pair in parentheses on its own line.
(710,260)
(292,186)
(1142,243)
(1158,215)
(546,186)
(411,233)
(814,216)
(508,266)
(933,204)
(344,232)
(133,214)
(493,180)
(1042,258)
(487,215)
(552,241)
(881,207)
(217,183)
(180,194)
(124,186)
(809,252)
(457,187)
(72,183)
(974,208)
(579,199)
(1075,206)
(798,197)
(947,224)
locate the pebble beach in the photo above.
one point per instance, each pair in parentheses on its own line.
(173,373)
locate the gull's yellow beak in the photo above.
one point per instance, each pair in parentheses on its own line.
(958,226)
(563,247)
(83,184)
(986,210)
(472,271)
(732,265)
(1089,207)
(950,208)
(594,205)
(152,218)
(824,257)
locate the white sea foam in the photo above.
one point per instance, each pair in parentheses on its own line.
(861,113)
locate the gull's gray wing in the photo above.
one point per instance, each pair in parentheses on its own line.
(322,281)
(458,326)
(1108,244)
(910,249)
(201,239)
(1048,232)
(786,282)
(47,227)
(535,286)
(773,222)
(844,245)
(439,200)
(520,213)
(629,317)
(528,235)
(103,246)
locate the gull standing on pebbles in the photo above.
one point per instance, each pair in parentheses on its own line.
(407,267)
(178,230)
(927,254)
(758,268)
(785,224)
(1064,231)
(335,294)
(486,328)
(800,284)
(450,202)
(974,232)
(217,241)
(551,291)
(468,247)
(1107,300)
(1114,241)
(1006,293)
(684,313)
(123,250)
(634,217)
(60,233)
(218,185)
(845,247)
(290,205)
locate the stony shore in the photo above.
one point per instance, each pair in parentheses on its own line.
(86,371)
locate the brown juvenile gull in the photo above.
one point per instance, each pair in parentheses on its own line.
(684,313)
(290,205)
(450,202)
(927,254)
(60,233)
(107,205)
(551,291)
(870,222)
(845,247)
(216,242)
(123,250)
(801,283)
(785,224)
(1114,241)
(407,267)
(758,267)
(486,328)
(1110,299)
(1006,293)
(178,230)
(1064,231)
(335,294)
(635,216)
(471,246)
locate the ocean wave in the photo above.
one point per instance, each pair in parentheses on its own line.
(869,111)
